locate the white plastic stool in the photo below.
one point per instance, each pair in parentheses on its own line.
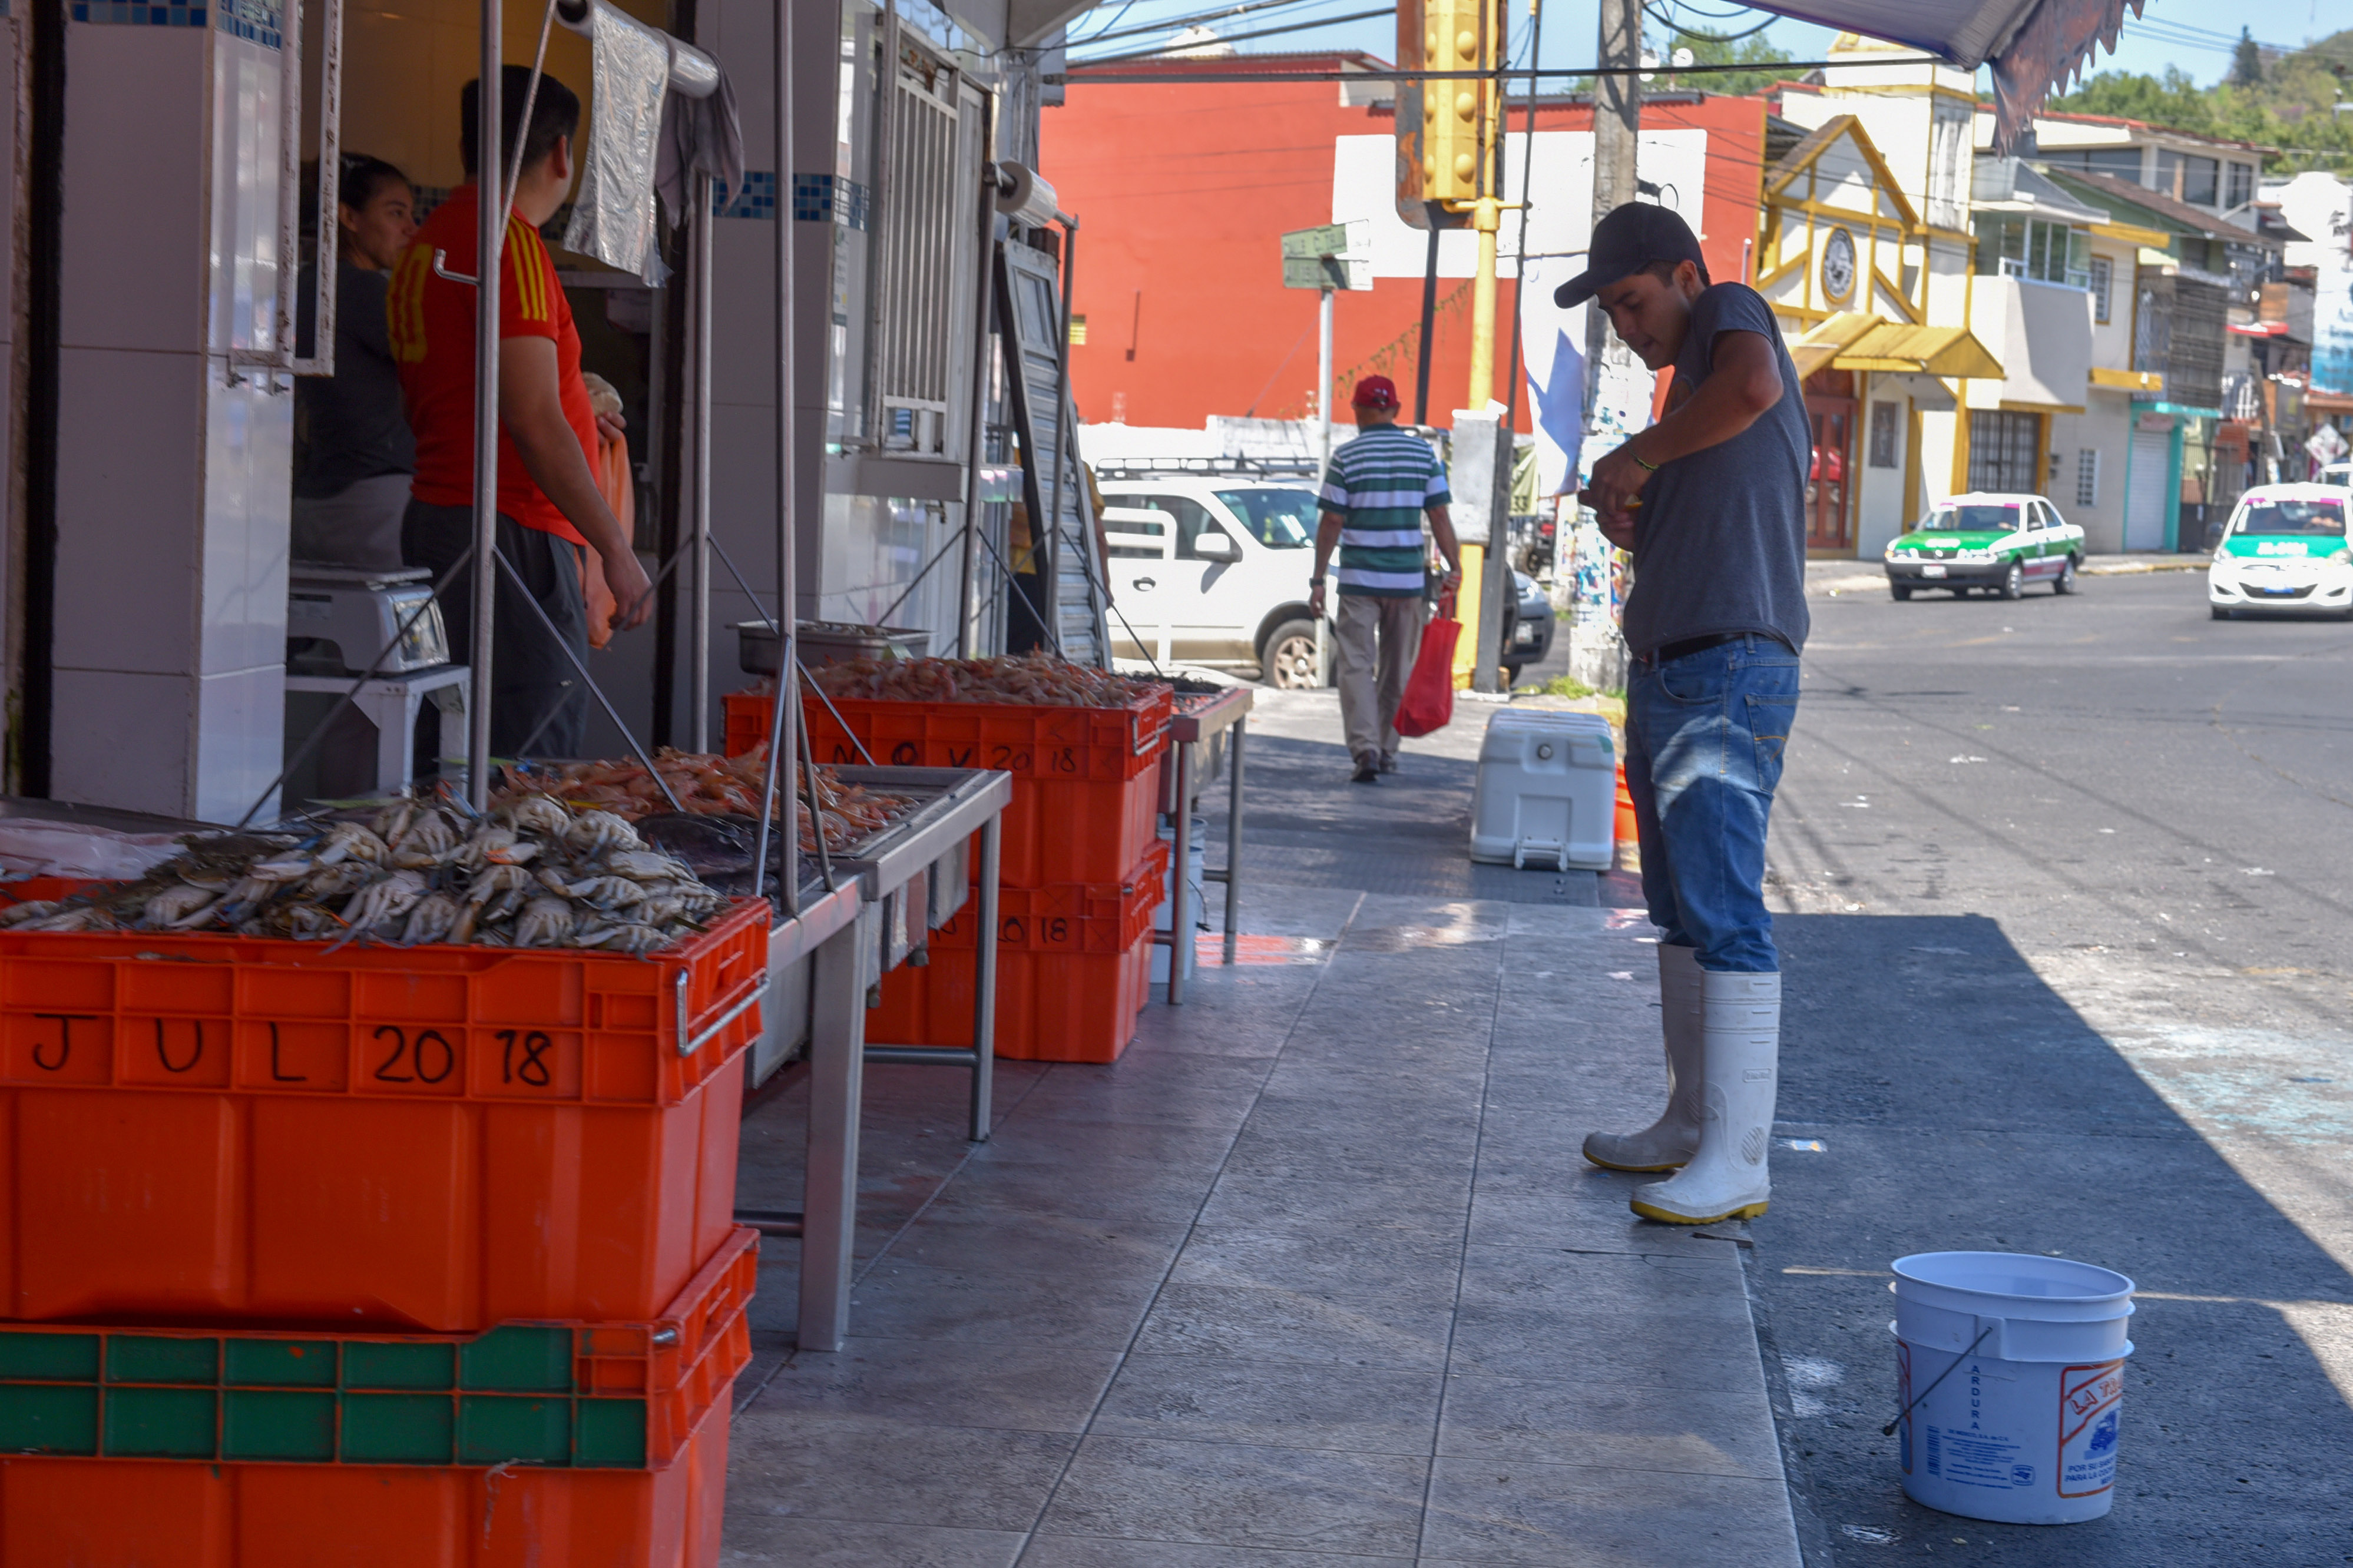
(392,705)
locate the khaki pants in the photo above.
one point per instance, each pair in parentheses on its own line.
(1376,641)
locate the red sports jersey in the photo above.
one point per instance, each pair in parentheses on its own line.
(431,321)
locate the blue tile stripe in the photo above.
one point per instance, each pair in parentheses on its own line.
(828,198)
(755,199)
(113,13)
(257,21)
(816,198)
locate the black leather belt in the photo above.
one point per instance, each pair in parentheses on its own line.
(1688,645)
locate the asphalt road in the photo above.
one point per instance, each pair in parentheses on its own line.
(2068,885)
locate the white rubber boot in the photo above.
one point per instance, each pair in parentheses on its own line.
(1667,1142)
(1725,1178)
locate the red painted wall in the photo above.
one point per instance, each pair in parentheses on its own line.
(1183,192)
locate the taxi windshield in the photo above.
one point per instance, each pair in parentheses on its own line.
(1283,519)
(2321,519)
(2001,519)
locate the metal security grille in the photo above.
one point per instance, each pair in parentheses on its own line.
(922,256)
(2005,451)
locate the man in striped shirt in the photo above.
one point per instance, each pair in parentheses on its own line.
(1378,489)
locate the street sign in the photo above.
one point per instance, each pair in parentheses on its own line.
(1327,272)
(1330,239)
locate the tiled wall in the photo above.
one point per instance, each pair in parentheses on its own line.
(172,481)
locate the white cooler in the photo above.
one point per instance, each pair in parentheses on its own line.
(1547,792)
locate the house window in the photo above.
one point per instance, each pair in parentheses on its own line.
(2088,477)
(1884,417)
(2118,162)
(2005,451)
(2030,247)
(2188,177)
(2103,274)
(2242,184)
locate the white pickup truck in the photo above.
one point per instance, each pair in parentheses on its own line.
(1212,570)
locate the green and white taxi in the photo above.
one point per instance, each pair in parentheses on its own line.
(1990,539)
(2284,550)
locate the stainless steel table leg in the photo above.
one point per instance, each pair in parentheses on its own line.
(1234,834)
(984,1003)
(836,1080)
(1180,916)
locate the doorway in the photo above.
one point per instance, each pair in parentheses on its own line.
(1830,410)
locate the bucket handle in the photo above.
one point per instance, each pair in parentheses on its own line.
(1889,1430)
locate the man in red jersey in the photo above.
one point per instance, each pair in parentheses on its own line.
(549,506)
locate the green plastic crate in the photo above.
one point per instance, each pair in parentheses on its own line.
(507,1397)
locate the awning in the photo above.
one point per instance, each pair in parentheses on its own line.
(1855,340)
(2115,380)
(2033,46)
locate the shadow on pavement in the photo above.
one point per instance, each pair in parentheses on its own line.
(1964,1105)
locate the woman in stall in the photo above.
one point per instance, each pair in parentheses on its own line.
(353,451)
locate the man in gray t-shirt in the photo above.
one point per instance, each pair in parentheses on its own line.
(1711,501)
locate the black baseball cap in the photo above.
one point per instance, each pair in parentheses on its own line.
(1627,239)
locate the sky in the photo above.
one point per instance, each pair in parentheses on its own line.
(2196,35)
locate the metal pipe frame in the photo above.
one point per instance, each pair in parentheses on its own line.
(699,241)
(488,234)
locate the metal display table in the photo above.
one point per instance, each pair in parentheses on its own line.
(1199,720)
(895,888)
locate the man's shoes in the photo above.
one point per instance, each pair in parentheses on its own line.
(1388,762)
(1367,772)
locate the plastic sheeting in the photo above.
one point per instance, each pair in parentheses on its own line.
(613,213)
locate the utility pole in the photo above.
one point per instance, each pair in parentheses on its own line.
(1323,382)
(1616,127)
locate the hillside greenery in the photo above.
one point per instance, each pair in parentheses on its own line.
(2281,100)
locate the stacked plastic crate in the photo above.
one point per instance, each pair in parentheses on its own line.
(1082,869)
(376,1257)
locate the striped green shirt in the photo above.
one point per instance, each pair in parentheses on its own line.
(1380,483)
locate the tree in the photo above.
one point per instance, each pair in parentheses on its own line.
(2246,62)
(2173,100)
(1715,49)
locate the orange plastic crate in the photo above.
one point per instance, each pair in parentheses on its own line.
(114,1513)
(1085,801)
(1073,917)
(438,1139)
(569,1396)
(1050,1007)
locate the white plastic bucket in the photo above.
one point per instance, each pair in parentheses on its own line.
(2022,1429)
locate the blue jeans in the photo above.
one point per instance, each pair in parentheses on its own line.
(1704,735)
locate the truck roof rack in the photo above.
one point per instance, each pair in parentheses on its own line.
(1284,468)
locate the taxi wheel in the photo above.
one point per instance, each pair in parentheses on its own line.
(2217,612)
(1899,592)
(2065,582)
(2014,582)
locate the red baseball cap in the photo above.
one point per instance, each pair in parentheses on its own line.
(1376,391)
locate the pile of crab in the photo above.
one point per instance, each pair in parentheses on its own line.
(532,873)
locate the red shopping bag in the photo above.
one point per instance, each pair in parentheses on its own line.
(1429,701)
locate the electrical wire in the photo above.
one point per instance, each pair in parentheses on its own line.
(1681,30)
(1184,48)
(1200,18)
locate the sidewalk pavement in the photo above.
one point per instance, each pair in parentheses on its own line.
(1831,578)
(1315,1274)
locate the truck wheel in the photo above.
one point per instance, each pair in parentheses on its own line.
(1288,661)
(2065,582)
(1899,592)
(2014,582)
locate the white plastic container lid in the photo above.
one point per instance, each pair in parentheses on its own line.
(2014,1285)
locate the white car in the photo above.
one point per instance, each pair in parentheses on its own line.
(1212,570)
(2284,549)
